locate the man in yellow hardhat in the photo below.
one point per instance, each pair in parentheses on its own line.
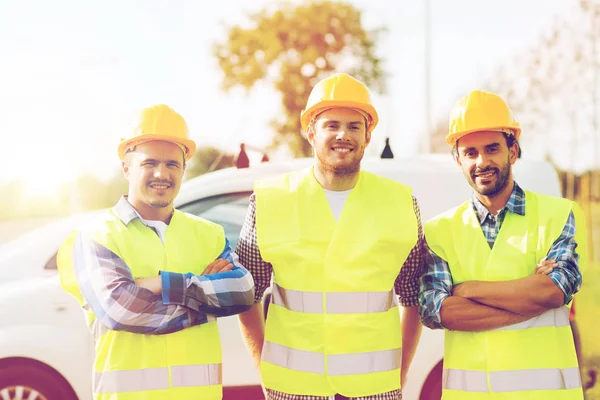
(340,244)
(156,336)
(504,303)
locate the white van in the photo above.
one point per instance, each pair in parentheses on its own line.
(46,351)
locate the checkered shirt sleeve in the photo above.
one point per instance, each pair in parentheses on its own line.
(407,282)
(249,254)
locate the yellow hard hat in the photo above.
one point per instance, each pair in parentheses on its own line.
(339,90)
(159,122)
(481,111)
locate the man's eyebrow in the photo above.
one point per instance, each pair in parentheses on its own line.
(338,122)
(155,161)
(487,146)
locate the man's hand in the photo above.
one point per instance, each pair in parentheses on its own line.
(153,284)
(219,265)
(544,267)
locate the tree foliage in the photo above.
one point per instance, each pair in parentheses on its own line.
(293,48)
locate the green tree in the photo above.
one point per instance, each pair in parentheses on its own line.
(293,48)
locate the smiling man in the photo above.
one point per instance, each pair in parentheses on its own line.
(502,270)
(341,244)
(156,336)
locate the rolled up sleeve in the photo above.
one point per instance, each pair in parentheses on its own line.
(435,286)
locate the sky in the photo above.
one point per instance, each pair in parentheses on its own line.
(74,74)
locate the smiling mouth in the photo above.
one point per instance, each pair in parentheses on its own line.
(485,175)
(342,150)
(160,186)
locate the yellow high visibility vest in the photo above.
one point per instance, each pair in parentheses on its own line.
(333,324)
(131,366)
(535,359)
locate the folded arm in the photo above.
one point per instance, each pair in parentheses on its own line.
(108,287)
(220,294)
(537,293)
(440,309)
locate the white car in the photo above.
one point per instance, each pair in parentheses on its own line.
(46,351)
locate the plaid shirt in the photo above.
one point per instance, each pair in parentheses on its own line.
(436,282)
(109,290)
(274,395)
(406,284)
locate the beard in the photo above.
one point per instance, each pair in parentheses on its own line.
(344,168)
(502,177)
(160,200)
(156,203)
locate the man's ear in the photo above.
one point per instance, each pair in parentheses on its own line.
(125,167)
(310,135)
(513,152)
(455,154)
(367,138)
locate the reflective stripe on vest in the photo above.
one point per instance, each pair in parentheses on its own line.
(512,381)
(338,364)
(196,375)
(157,378)
(335,302)
(556,317)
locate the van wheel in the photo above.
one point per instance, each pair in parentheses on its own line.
(28,379)
(432,388)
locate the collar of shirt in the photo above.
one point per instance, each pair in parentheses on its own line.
(126,213)
(515,204)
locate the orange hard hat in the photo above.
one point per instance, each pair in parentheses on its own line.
(159,122)
(340,90)
(481,111)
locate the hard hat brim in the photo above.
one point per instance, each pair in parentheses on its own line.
(452,138)
(308,114)
(189,144)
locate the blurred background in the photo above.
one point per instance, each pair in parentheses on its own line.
(73,75)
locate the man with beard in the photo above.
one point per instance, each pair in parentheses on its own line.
(502,270)
(156,336)
(340,244)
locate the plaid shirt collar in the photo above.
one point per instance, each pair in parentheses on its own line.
(125,211)
(515,204)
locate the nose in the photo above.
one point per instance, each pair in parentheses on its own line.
(160,171)
(482,161)
(342,134)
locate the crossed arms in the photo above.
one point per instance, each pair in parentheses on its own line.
(479,306)
(162,304)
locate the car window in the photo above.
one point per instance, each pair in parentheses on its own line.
(198,207)
(228,210)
